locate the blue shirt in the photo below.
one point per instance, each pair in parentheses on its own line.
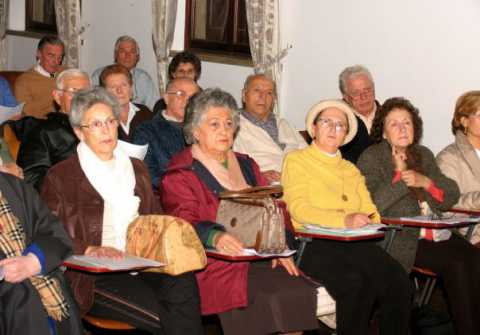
(6,96)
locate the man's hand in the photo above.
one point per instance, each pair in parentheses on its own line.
(17,269)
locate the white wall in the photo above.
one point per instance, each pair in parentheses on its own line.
(423,50)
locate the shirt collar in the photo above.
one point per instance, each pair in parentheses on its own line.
(42,71)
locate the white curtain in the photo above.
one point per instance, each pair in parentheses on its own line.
(164,15)
(69,29)
(3,32)
(264,34)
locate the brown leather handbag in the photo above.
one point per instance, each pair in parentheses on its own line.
(254,217)
(166,239)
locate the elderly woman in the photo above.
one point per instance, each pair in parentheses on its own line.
(250,298)
(96,193)
(460,160)
(322,188)
(404,180)
(118,80)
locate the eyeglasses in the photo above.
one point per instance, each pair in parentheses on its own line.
(70,91)
(365,93)
(329,123)
(179,94)
(97,125)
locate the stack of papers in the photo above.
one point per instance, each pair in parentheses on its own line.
(448,218)
(126,263)
(366,230)
(253,252)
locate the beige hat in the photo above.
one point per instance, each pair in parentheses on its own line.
(324,104)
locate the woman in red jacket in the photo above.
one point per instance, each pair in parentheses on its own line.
(250,298)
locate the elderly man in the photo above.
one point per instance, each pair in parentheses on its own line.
(184,65)
(53,139)
(127,53)
(34,296)
(262,135)
(35,86)
(358,90)
(164,133)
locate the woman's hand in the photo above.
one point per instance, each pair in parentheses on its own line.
(17,269)
(105,252)
(13,169)
(414,179)
(357,220)
(272,176)
(399,160)
(288,264)
(229,244)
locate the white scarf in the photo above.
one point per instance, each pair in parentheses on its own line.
(115,181)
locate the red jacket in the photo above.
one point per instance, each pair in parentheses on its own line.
(222,285)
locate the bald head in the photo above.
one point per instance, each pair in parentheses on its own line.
(176,96)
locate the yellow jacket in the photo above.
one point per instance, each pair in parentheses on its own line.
(314,183)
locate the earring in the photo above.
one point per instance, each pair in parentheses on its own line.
(465,130)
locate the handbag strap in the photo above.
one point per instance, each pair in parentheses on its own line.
(257,192)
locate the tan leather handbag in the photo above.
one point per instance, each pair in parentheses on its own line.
(166,239)
(253,216)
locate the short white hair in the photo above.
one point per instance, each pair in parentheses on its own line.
(59,82)
(352,71)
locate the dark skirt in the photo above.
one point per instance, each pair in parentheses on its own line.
(457,263)
(277,302)
(360,275)
(155,302)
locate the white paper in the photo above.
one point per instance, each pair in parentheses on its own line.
(447,218)
(134,150)
(6,113)
(126,263)
(365,230)
(253,252)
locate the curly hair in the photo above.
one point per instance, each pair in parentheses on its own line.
(185,57)
(376,133)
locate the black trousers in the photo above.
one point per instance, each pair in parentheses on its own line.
(174,300)
(358,275)
(457,262)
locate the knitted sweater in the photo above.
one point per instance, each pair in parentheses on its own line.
(36,91)
(164,139)
(314,183)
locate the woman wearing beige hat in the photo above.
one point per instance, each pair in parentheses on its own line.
(322,188)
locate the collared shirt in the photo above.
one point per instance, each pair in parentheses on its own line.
(132,109)
(368,120)
(269,125)
(42,71)
(144,90)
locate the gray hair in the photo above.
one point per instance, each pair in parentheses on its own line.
(352,71)
(52,40)
(69,74)
(200,104)
(254,76)
(125,38)
(84,100)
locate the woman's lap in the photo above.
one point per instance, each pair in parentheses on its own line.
(277,302)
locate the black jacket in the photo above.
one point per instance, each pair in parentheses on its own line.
(49,142)
(22,309)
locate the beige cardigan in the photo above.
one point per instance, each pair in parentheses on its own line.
(460,162)
(255,142)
